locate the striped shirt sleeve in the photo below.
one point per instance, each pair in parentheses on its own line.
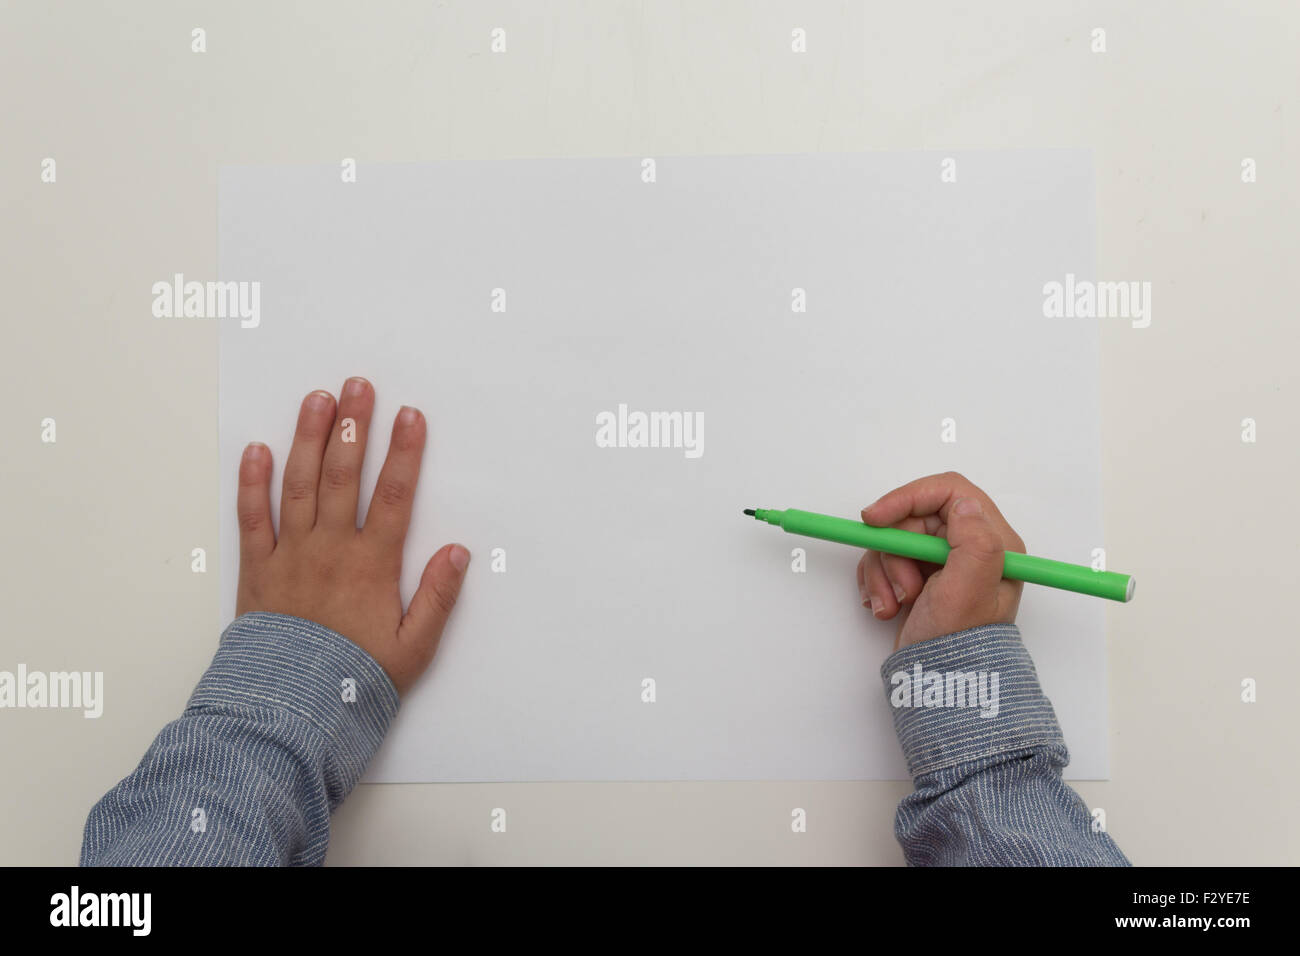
(277,733)
(986,755)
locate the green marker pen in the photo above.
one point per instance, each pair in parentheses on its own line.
(928,547)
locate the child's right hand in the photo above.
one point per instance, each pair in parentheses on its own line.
(935,600)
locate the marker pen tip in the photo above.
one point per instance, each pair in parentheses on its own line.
(749,511)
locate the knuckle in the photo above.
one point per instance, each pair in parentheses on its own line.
(312,432)
(336,477)
(959,482)
(393,492)
(251,521)
(897,567)
(313,427)
(443,597)
(299,489)
(406,438)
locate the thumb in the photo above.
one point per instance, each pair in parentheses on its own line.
(974,567)
(439,587)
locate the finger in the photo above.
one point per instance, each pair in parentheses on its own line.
(302,470)
(390,506)
(904,613)
(425,619)
(904,574)
(927,568)
(340,474)
(971,576)
(930,495)
(253,505)
(884,604)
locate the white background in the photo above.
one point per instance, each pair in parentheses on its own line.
(100,526)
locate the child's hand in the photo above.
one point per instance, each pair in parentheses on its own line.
(325,569)
(967,591)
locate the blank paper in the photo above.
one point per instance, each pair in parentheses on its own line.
(516,301)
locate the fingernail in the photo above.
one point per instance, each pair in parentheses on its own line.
(254,451)
(459,558)
(407,415)
(355,387)
(877,605)
(899,593)
(968,506)
(863,596)
(318,401)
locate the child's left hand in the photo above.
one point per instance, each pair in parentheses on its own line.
(323,567)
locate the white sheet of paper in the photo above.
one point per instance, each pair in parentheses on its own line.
(924,303)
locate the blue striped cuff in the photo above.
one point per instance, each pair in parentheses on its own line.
(278,662)
(966,696)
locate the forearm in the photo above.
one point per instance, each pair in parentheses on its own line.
(989,790)
(272,740)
